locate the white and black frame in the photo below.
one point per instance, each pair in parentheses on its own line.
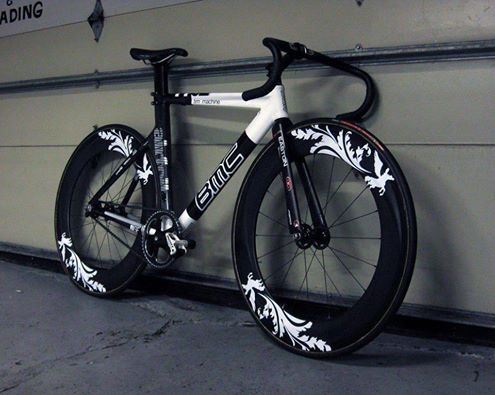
(269,99)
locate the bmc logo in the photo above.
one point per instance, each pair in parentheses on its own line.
(217,181)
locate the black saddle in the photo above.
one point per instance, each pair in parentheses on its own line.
(149,56)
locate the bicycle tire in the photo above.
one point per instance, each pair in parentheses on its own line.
(313,323)
(104,265)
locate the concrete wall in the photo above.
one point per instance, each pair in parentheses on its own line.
(436,118)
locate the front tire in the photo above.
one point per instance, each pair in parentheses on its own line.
(324,302)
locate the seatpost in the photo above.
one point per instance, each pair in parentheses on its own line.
(162,118)
(162,136)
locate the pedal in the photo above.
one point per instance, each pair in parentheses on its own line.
(185,244)
(191,244)
(178,247)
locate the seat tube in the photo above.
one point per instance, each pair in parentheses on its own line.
(293,215)
(162,135)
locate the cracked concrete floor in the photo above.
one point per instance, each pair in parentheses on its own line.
(56,340)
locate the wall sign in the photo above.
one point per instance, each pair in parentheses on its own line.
(20,16)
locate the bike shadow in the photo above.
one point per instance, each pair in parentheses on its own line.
(390,358)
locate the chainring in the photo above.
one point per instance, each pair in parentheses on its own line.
(154,244)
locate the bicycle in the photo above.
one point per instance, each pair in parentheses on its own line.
(320,274)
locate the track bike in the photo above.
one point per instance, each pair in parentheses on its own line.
(324,231)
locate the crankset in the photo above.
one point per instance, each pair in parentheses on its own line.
(161,240)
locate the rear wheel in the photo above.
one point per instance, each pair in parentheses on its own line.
(326,296)
(100,255)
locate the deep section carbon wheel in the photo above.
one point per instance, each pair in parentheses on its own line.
(101,255)
(331,291)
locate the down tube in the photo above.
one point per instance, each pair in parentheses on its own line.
(222,174)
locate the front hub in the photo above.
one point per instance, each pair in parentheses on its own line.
(317,237)
(305,240)
(320,238)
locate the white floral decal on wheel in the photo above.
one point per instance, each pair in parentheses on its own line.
(81,273)
(123,145)
(341,147)
(120,144)
(283,322)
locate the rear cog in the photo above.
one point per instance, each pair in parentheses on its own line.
(160,226)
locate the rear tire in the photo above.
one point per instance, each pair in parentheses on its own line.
(102,257)
(324,302)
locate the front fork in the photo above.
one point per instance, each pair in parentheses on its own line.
(307,235)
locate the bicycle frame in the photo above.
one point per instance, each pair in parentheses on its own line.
(272,114)
(271,107)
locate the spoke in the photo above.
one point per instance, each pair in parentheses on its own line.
(110,250)
(77,216)
(333,194)
(117,249)
(329,185)
(272,235)
(75,195)
(274,220)
(291,261)
(121,228)
(98,256)
(353,219)
(109,173)
(346,268)
(268,190)
(137,206)
(115,164)
(350,205)
(107,195)
(101,247)
(124,186)
(351,256)
(93,232)
(275,250)
(88,237)
(80,226)
(102,178)
(118,239)
(356,237)
(130,190)
(93,171)
(90,194)
(306,268)
(124,230)
(326,273)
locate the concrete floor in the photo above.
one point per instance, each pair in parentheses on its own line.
(56,340)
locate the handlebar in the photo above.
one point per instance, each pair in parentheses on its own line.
(295,51)
(274,73)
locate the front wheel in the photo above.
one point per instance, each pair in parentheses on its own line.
(326,297)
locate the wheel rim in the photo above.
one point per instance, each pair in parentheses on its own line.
(313,323)
(101,256)
(103,244)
